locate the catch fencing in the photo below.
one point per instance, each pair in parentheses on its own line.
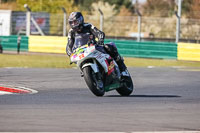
(48,24)
(151,27)
(115,26)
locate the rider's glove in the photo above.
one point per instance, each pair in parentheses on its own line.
(100,42)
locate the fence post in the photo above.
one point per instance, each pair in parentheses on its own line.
(1,47)
(178,22)
(64,21)
(28,20)
(139,25)
(18,44)
(101,20)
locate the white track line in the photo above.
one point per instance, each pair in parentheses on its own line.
(4,92)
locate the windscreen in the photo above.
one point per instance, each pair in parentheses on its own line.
(80,40)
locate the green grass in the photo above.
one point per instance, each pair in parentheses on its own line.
(62,61)
(34,61)
(143,62)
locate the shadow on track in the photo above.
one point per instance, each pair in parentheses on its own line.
(147,96)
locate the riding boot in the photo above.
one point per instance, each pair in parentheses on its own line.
(112,50)
(122,67)
(120,62)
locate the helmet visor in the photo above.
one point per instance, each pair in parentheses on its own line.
(74,23)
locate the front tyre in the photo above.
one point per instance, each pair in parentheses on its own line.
(91,81)
(127,87)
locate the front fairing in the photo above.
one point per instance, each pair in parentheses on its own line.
(90,52)
(82,52)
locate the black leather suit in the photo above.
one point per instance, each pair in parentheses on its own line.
(87,31)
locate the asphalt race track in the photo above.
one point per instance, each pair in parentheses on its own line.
(164,99)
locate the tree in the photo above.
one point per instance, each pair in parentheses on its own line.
(85,4)
(186,7)
(195,7)
(4,1)
(51,6)
(191,9)
(161,8)
(120,3)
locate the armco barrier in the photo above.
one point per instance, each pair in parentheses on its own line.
(10,43)
(131,48)
(48,44)
(189,51)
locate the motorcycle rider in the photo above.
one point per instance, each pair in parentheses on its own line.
(86,31)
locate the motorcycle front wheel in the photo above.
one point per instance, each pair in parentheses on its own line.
(127,87)
(91,81)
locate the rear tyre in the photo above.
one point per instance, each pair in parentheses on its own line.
(127,87)
(91,81)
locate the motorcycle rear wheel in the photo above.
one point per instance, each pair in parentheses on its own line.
(127,87)
(91,81)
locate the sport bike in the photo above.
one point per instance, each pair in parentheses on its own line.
(101,73)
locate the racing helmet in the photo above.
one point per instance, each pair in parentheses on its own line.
(76,20)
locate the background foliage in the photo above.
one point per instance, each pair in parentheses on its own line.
(161,8)
(51,6)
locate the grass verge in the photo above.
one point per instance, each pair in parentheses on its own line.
(62,61)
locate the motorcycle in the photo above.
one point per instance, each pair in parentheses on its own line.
(101,73)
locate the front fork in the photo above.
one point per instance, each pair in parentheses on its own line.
(94,67)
